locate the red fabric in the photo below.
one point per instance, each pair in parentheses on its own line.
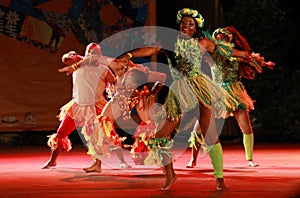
(67,125)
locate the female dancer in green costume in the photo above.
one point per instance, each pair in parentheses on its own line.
(230,79)
(190,89)
(228,74)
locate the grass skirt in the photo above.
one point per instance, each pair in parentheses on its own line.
(185,94)
(238,96)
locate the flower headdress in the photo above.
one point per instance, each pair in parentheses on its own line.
(192,13)
(222,31)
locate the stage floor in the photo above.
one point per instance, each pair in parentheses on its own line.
(277,176)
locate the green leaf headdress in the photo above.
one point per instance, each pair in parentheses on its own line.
(192,13)
(222,31)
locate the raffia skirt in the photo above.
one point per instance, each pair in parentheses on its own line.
(186,93)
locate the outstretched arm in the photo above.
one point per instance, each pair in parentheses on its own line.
(67,69)
(105,60)
(70,68)
(142,52)
(207,45)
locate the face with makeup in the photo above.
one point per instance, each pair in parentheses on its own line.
(222,37)
(188,26)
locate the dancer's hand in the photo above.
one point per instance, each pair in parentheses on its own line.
(67,69)
(269,64)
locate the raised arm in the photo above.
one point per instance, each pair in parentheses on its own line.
(142,52)
(207,45)
(105,60)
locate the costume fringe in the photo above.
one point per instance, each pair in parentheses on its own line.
(142,135)
(106,127)
(98,145)
(197,141)
(102,138)
(158,147)
(257,62)
(66,110)
(240,96)
(224,48)
(55,143)
(184,95)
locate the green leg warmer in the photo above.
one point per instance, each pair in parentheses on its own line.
(248,145)
(216,156)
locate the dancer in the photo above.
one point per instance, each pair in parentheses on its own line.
(232,71)
(129,93)
(189,91)
(92,79)
(228,74)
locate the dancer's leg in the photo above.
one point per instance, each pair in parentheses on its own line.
(195,147)
(52,161)
(120,156)
(193,160)
(60,140)
(243,119)
(209,130)
(162,139)
(169,172)
(161,151)
(66,127)
(105,130)
(206,122)
(216,156)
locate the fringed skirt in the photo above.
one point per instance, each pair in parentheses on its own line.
(85,117)
(185,94)
(79,112)
(238,96)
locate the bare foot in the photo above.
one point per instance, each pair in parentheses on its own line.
(252,164)
(92,169)
(96,167)
(124,165)
(221,185)
(191,164)
(169,182)
(48,165)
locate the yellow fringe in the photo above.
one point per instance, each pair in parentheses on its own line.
(186,94)
(66,110)
(238,95)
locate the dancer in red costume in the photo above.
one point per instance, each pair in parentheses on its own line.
(136,88)
(133,90)
(89,84)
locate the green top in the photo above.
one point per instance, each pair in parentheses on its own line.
(225,70)
(188,58)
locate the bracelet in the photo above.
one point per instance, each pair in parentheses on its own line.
(74,66)
(129,54)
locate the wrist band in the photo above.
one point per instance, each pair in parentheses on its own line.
(74,66)
(129,54)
